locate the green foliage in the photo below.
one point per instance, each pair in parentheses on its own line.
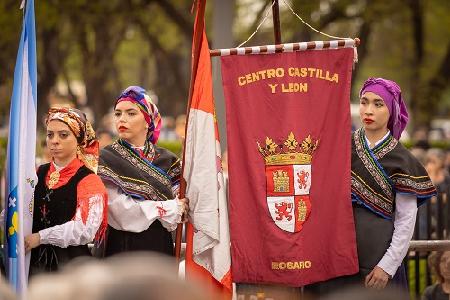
(408,144)
(3,145)
(412,276)
(174,146)
(441,144)
(10,22)
(444,145)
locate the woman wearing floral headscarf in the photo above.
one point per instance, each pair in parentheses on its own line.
(69,199)
(141,178)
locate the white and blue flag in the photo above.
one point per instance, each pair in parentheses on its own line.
(20,169)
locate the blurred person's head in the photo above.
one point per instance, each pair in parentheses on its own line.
(180,125)
(420,154)
(169,122)
(435,160)
(105,137)
(137,276)
(420,136)
(6,292)
(447,159)
(137,118)
(440,265)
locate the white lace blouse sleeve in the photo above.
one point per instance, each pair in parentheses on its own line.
(76,232)
(129,214)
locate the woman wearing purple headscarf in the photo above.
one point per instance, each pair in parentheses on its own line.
(388,184)
(141,178)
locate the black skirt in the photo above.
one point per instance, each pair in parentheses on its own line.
(155,238)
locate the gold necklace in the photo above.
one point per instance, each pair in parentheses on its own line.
(54,178)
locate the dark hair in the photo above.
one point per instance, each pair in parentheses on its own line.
(434,260)
(422,144)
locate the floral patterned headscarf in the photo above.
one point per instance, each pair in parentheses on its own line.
(88,146)
(139,96)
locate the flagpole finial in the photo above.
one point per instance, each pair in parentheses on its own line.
(22,4)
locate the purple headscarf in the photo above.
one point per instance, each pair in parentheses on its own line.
(392,97)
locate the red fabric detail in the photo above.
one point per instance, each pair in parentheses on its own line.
(202,67)
(261,107)
(161,211)
(201,98)
(223,290)
(65,174)
(90,155)
(297,199)
(89,187)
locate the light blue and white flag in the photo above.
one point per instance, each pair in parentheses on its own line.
(21,171)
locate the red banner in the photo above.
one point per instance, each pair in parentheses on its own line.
(288,127)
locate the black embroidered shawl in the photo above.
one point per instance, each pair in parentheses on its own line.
(141,177)
(387,169)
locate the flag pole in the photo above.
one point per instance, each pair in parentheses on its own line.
(276,21)
(199,21)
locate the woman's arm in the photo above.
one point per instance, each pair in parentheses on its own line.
(405,219)
(128,214)
(88,217)
(76,232)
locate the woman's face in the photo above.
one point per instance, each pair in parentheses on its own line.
(130,123)
(373,112)
(444,266)
(61,142)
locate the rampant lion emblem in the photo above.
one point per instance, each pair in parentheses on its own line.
(284,210)
(303,179)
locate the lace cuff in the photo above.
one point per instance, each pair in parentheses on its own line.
(170,222)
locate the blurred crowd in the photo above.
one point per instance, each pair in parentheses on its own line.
(436,161)
(150,276)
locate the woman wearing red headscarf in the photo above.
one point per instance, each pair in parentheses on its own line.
(142,179)
(69,199)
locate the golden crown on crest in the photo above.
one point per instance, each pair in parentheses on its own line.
(290,152)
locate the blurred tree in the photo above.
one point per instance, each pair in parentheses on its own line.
(9,42)
(108,45)
(407,41)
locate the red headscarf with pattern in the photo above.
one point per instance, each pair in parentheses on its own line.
(88,146)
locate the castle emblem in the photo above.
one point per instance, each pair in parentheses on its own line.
(288,180)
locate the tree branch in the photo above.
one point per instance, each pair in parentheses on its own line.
(185,26)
